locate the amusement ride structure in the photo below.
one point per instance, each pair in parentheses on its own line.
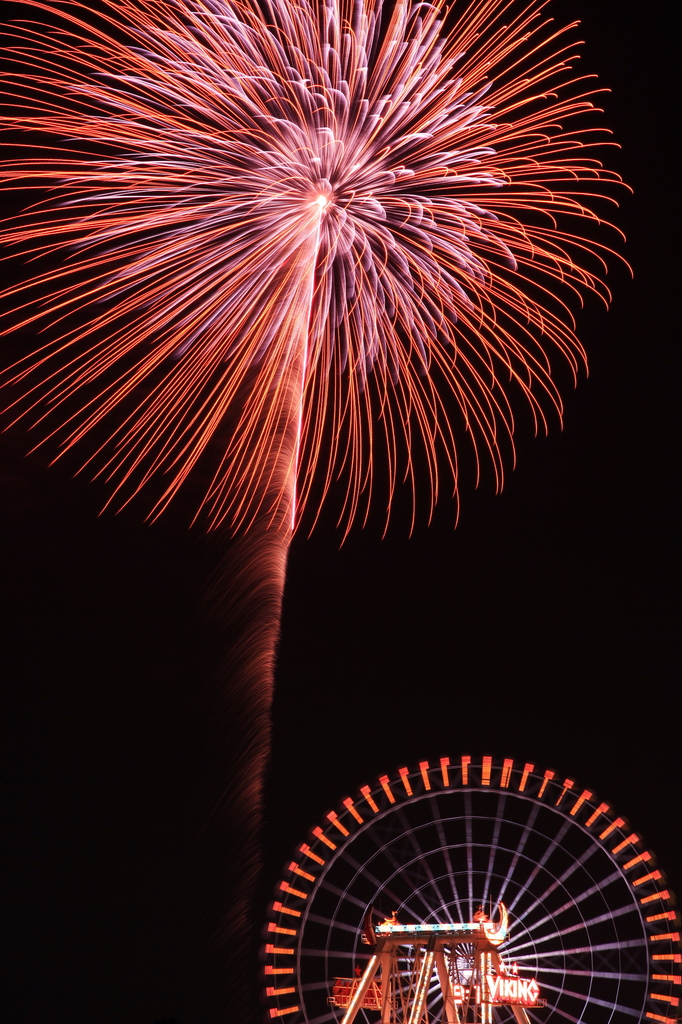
(471,975)
(472,893)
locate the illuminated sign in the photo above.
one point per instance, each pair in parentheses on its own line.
(518,991)
(499,990)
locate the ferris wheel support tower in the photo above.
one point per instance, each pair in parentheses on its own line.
(471,975)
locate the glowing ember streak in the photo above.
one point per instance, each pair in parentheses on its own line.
(306,232)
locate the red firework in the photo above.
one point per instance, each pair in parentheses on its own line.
(306,234)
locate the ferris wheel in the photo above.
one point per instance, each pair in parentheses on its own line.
(472,891)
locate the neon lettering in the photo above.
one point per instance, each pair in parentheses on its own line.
(504,989)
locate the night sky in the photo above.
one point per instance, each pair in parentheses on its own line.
(542,628)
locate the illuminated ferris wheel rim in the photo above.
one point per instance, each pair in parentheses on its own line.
(295,910)
(434,795)
(410,796)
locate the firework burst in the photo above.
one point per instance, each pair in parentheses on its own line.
(327,225)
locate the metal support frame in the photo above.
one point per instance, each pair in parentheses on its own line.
(361,990)
(404,993)
(451,1014)
(521,1015)
(423,982)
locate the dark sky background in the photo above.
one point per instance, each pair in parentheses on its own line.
(543,629)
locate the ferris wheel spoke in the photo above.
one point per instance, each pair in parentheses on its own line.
(436,912)
(418,893)
(494,846)
(540,864)
(527,830)
(314,986)
(580,862)
(331,922)
(608,1004)
(406,871)
(343,893)
(562,1013)
(469,851)
(613,975)
(534,1017)
(401,867)
(342,954)
(608,915)
(423,861)
(362,871)
(600,947)
(582,926)
(445,853)
(573,902)
(449,876)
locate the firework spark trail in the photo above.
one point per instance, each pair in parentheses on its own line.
(245,605)
(348,232)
